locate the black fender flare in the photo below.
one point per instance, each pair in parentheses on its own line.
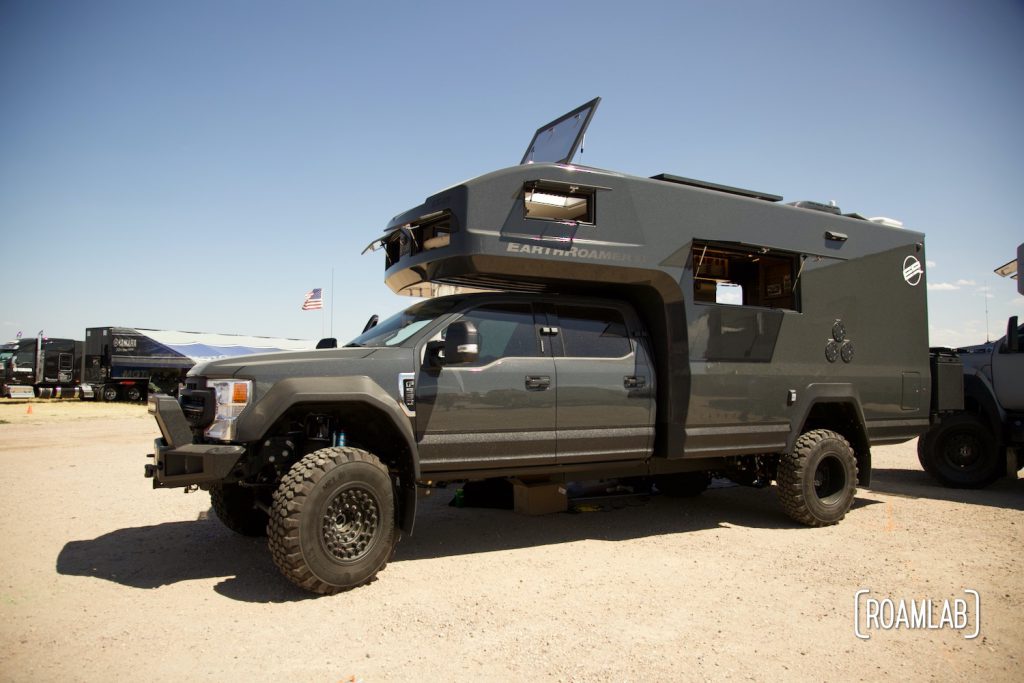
(338,391)
(978,389)
(836,394)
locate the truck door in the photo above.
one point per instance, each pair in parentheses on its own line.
(65,368)
(605,386)
(1008,373)
(497,411)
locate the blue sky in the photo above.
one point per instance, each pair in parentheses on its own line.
(201,165)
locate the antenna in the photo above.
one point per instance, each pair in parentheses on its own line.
(987,340)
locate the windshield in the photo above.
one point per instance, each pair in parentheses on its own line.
(404,325)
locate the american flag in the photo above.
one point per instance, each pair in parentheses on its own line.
(314,300)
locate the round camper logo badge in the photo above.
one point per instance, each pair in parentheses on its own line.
(912,271)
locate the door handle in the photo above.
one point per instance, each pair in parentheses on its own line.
(634,382)
(538,381)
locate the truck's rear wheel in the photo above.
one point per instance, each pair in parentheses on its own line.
(133,393)
(817,481)
(332,521)
(961,452)
(235,506)
(109,393)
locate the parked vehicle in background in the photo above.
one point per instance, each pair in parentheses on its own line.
(982,440)
(41,367)
(128,363)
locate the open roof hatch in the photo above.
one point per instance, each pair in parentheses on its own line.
(557,142)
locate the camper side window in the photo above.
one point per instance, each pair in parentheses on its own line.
(744,276)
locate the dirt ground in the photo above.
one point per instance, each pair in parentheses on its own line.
(105,579)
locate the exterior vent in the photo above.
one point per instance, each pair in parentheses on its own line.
(889,222)
(818,206)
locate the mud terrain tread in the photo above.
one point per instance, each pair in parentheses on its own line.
(791,473)
(288,500)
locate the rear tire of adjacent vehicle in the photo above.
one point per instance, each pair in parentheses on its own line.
(961,452)
(683,484)
(235,506)
(133,393)
(109,393)
(332,521)
(817,481)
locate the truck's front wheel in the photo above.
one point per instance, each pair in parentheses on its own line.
(332,521)
(961,452)
(817,481)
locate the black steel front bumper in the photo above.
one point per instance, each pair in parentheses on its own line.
(178,461)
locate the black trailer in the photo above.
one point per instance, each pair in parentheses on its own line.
(41,367)
(128,363)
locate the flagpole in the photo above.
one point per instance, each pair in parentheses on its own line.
(332,301)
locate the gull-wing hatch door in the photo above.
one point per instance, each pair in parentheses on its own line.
(557,142)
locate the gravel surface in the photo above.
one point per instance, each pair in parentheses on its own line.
(106,579)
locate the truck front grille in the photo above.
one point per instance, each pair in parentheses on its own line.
(198,403)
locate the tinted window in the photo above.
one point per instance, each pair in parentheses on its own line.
(401,326)
(593,332)
(505,330)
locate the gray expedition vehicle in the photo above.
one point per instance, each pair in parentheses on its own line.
(984,440)
(657,327)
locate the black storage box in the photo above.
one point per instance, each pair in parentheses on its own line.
(947,381)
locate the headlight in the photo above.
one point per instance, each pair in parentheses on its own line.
(232,396)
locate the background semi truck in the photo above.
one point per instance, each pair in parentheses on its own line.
(127,363)
(41,367)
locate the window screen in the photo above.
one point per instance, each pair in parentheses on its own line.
(744,276)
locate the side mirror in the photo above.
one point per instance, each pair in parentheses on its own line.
(1012,338)
(327,343)
(371,323)
(461,343)
(434,357)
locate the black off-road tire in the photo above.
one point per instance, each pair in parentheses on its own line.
(683,484)
(961,452)
(818,480)
(235,506)
(332,521)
